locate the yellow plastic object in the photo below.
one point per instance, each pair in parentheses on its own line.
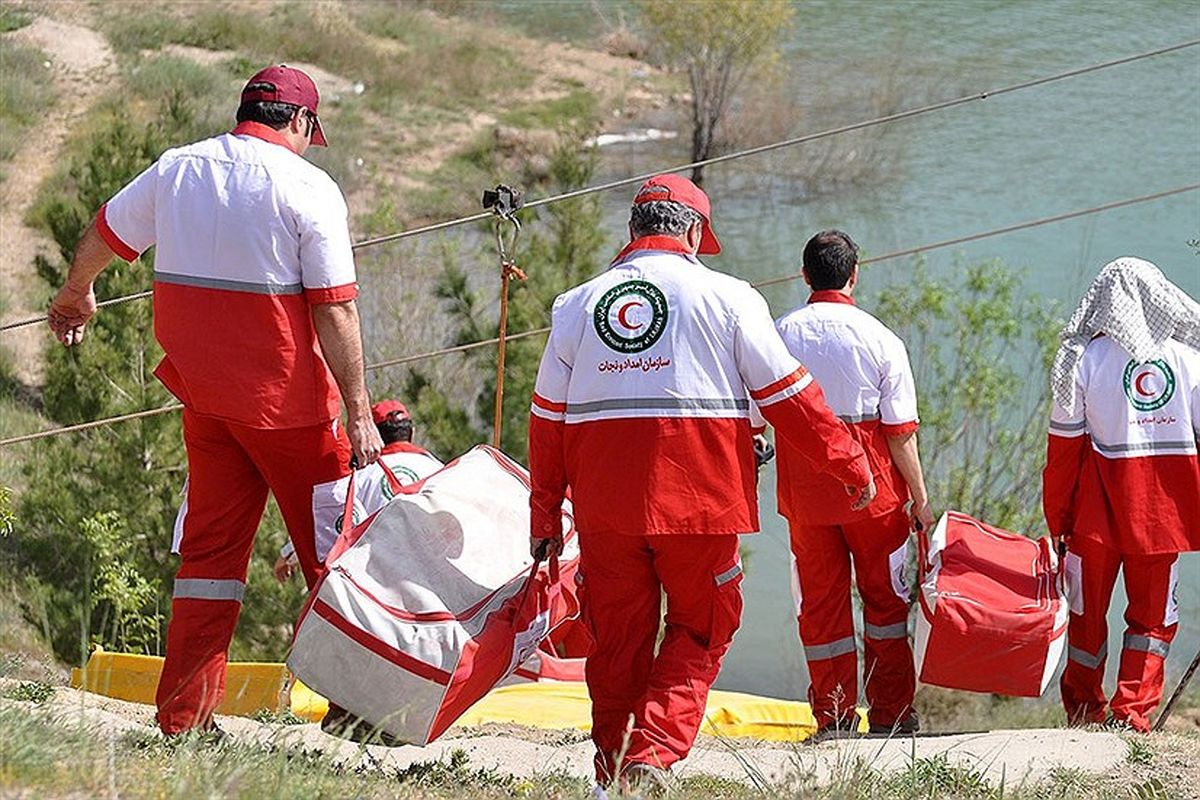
(566,705)
(307,704)
(249,686)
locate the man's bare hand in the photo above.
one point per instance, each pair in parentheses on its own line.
(70,312)
(365,441)
(920,516)
(283,569)
(862,495)
(543,548)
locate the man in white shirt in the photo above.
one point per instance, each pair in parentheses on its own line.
(254,306)
(863,368)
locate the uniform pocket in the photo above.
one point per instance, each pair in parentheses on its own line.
(726,605)
(897,564)
(1073,574)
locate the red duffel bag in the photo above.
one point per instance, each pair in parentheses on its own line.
(993,609)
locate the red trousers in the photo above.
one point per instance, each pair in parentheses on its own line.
(230,470)
(647,708)
(822,553)
(1151,619)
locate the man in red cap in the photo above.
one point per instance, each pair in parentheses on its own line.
(642,410)
(372,490)
(254,306)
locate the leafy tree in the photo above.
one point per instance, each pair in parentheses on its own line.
(719,43)
(981,354)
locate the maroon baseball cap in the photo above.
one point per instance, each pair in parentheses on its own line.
(385,408)
(288,85)
(679,189)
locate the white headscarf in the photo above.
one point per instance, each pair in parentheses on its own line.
(1133,303)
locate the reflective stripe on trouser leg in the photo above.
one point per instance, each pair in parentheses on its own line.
(1088,660)
(879,633)
(826,623)
(879,548)
(1150,628)
(824,652)
(1082,682)
(209,589)
(226,498)
(700,578)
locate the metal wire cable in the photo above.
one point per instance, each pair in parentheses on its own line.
(462,348)
(895,117)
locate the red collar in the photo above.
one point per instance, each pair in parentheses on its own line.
(264,132)
(403,447)
(660,243)
(830,296)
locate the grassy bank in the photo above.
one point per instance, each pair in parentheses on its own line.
(44,753)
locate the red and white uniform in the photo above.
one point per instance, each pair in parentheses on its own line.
(864,370)
(1122,482)
(372,490)
(642,410)
(248,236)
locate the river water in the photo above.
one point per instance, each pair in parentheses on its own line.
(1115,134)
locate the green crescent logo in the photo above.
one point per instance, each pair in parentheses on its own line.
(402,473)
(1149,385)
(631,316)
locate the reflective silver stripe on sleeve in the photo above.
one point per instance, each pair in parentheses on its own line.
(1147,644)
(1182,448)
(209,589)
(728,575)
(852,418)
(898,630)
(1068,427)
(660,404)
(234,286)
(821,652)
(1086,659)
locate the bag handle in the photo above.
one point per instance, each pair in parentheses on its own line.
(392,480)
(348,508)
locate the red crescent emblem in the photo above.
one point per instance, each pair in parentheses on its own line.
(1137,384)
(624,309)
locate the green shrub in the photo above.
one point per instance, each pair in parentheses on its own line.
(12,19)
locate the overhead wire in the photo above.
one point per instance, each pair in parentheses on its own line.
(792,142)
(468,346)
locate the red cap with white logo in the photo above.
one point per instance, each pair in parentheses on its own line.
(284,84)
(386,408)
(679,189)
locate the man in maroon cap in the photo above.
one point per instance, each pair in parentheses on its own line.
(642,410)
(254,306)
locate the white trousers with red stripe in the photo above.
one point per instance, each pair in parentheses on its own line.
(1151,619)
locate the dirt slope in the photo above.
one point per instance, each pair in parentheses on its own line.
(83,67)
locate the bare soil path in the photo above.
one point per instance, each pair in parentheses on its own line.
(83,67)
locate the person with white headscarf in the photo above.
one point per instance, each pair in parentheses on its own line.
(1122,480)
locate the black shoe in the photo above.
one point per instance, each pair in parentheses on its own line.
(905,727)
(211,735)
(345,725)
(838,729)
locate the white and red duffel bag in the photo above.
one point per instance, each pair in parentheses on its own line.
(993,610)
(434,600)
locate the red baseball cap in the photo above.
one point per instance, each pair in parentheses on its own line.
(680,190)
(287,85)
(385,408)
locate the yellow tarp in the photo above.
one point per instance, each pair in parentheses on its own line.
(252,687)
